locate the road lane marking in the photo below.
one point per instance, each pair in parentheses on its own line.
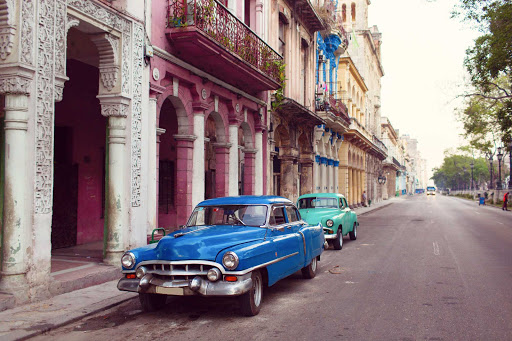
(436,249)
(476,212)
(500,223)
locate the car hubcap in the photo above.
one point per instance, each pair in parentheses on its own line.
(355,230)
(257,291)
(313,264)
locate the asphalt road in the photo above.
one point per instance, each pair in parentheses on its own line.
(424,268)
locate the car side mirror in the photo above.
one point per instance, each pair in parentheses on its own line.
(181,227)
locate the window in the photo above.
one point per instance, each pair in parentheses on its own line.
(277,216)
(292,214)
(318,202)
(341,203)
(282,43)
(353,10)
(344,13)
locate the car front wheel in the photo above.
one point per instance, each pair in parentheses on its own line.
(152,302)
(353,233)
(250,302)
(338,242)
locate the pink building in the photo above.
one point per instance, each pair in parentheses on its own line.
(209,79)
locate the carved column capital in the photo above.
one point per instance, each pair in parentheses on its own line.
(12,84)
(114,106)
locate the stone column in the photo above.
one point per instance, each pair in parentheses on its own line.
(306,178)
(323,174)
(258,164)
(184,148)
(221,171)
(330,176)
(17,234)
(350,187)
(336,176)
(115,108)
(287,177)
(249,158)
(233,160)
(316,174)
(153,148)
(198,158)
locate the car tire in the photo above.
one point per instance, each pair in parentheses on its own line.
(309,271)
(152,302)
(353,233)
(250,302)
(337,243)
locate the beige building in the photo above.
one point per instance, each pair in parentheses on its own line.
(391,165)
(291,30)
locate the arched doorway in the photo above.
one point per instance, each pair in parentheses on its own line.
(79,150)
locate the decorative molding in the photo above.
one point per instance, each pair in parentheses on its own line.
(108,49)
(7,34)
(45,76)
(114,110)
(14,85)
(101,14)
(27,32)
(136,143)
(71,21)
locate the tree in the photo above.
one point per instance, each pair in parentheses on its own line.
(455,172)
(489,64)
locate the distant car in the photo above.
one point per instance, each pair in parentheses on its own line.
(231,246)
(332,211)
(431,190)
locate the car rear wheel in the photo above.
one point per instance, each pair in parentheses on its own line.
(353,233)
(152,302)
(338,242)
(250,302)
(309,271)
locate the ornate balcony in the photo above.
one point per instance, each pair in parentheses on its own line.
(205,34)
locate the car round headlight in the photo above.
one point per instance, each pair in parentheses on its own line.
(230,260)
(213,274)
(329,223)
(141,272)
(128,260)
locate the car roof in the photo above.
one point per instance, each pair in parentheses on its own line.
(323,195)
(246,200)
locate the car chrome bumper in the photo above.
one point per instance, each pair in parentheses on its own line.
(196,286)
(329,236)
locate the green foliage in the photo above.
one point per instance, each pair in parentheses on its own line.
(455,172)
(279,94)
(489,64)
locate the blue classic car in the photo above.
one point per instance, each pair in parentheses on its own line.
(231,246)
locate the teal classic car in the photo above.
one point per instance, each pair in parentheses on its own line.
(332,211)
(231,246)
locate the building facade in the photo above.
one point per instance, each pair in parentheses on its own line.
(391,165)
(74,87)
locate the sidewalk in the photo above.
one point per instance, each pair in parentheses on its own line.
(32,319)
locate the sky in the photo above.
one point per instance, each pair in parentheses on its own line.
(423,51)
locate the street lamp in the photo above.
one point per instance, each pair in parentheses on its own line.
(489,157)
(500,156)
(472,165)
(381,179)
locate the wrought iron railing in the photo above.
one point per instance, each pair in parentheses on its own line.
(218,23)
(339,108)
(343,33)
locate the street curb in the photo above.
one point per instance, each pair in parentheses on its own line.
(375,209)
(68,318)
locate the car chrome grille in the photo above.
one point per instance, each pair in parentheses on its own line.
(178,271)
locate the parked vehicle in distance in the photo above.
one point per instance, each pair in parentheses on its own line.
(332,211)
(431,190)
(231,246)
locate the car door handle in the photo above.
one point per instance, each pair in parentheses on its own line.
(289,227)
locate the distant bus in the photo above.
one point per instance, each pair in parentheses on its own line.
(431,190)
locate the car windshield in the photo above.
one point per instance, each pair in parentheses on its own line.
(248,215)
(431,188)
(318,202)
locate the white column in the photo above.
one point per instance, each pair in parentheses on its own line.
(198,159)
(233,161)
(16,227)
(336,176)
(323,176)
(152,167)
(329,177)
(258,164)
(316,176)
(117,192)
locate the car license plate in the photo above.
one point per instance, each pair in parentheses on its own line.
(169,291)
